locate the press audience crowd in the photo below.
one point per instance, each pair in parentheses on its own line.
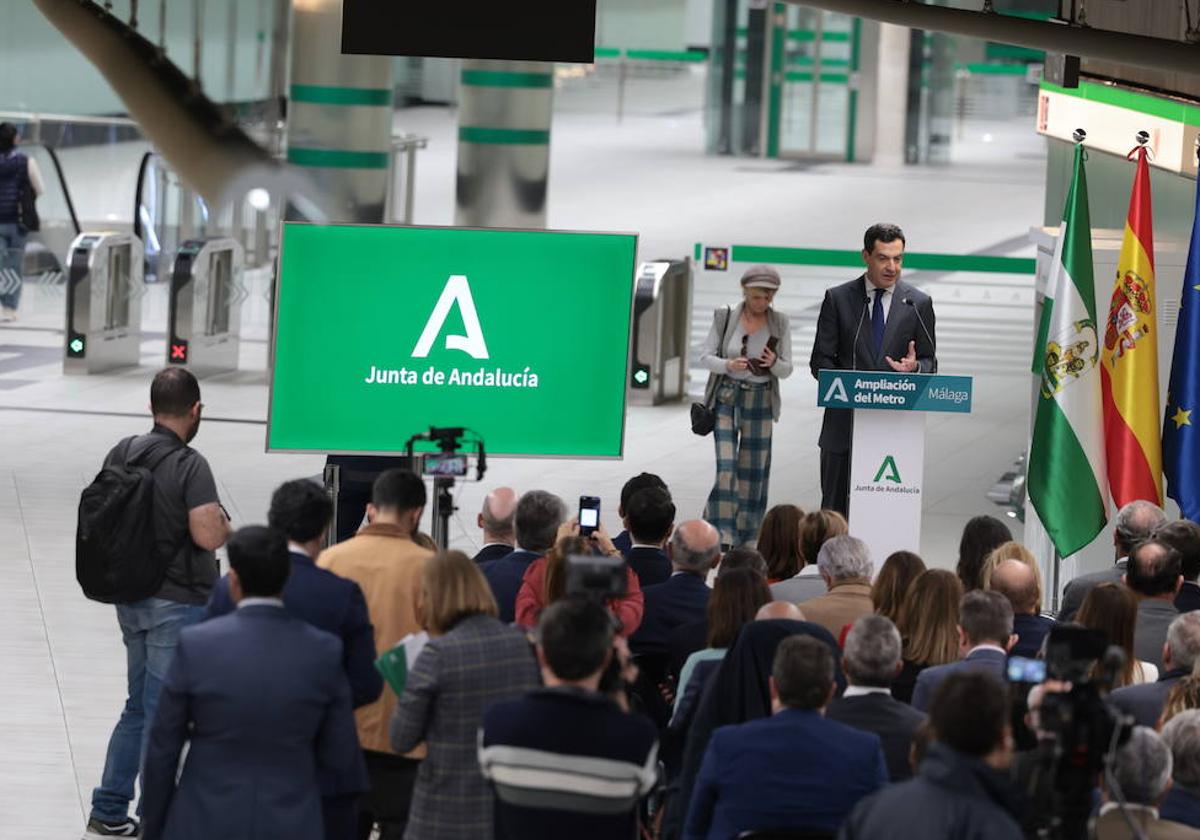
(796,689)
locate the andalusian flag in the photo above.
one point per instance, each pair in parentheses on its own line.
(1130,358)
(1067,481)
(1181,425)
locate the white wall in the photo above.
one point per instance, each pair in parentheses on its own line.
(41,71)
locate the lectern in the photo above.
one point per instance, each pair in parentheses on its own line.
(887,458)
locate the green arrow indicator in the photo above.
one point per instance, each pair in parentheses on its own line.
(76,345)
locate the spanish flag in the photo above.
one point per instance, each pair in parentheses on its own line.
(1129,378)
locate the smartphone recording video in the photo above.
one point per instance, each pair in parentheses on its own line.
(589,514)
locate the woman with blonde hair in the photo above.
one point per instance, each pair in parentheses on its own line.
(928,626)
(816,528)
(1112,608)
(1011,550)
(471,661)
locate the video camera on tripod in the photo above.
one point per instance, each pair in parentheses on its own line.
(449,463)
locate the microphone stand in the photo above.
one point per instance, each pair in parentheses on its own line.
(933,344)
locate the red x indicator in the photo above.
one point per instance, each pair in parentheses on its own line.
(178,352)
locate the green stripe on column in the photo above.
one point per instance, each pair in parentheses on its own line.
(506,79)
(504,136)
(337,158)
(321,95)
(928,262)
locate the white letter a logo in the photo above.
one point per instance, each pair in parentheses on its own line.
(457,291)
(837,391)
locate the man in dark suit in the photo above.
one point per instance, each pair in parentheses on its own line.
(1182,802)
(871,659)
(985,635)
(536,523)
(496,521)
(1153,573)
(794,770)
(1145,702)
(874,322)
(1183,535)
(650,517)
(301,511)
(623,541)
(262,698)
(1133,523)
(1018,583)
(683,597)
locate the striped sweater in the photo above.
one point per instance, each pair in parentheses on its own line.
(566,762)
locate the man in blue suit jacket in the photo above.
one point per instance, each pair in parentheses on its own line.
(649,516)
(683,597)
(794,770)
(301,511)
(262,699)
(538,518)
(985,636)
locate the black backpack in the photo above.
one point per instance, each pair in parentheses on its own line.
(117,558)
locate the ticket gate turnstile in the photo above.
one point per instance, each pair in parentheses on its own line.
(204,315)
(662,313)
(104,302)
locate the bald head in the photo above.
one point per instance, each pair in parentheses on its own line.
(1018,583)
(779,609)
(695,547)
(496,518)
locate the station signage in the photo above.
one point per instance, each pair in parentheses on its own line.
(894,391)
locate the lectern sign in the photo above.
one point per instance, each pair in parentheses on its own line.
(894,391)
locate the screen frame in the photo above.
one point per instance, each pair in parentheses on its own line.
(425,446)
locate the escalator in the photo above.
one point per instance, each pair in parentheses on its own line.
(46,248)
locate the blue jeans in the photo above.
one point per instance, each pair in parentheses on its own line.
(12,256)
(150,629)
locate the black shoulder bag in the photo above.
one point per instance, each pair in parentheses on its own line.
(704,415)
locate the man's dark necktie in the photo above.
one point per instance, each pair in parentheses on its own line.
(877,322)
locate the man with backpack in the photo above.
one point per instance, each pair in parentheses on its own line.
(149,526)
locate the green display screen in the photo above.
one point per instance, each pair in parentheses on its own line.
(382,332)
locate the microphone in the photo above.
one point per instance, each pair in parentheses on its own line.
(933,344)
(854,347)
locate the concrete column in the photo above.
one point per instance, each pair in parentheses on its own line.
(504,114)
(339,114)
(891,94)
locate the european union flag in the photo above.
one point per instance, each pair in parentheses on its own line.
(1181,425)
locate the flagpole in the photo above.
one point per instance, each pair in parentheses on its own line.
(1056,576)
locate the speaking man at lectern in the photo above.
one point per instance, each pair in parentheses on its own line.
(874,322)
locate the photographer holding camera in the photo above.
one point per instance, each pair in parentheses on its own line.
(546,579)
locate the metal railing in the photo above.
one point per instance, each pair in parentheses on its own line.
(407,145)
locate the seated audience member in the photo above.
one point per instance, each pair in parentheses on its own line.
(1011,550)
(985,635)
(784,610)
(1112,609)
(302,512)
(792,770)
(545,580)
(738,692)
(1017,582)
(1133,523)
(260,699)
(536,522)
(846,568)
(736,597)
(871,660)
(888,591)
(623,541)
(683,597)
(650,517)
(1183,696)
(1182,802)
(1141,770)
(961,788)
(980,536)
(815,528)
(779,542)
(386,564)
(1153,573)
(1144,703)
(1183,535)
(594,762)
(686,640)
(471,661)
(496,522)
(928,626)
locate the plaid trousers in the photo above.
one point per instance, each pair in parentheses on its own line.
(742,437)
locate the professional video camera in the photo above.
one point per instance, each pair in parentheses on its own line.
(444,466)
(1076,734)
(596,577)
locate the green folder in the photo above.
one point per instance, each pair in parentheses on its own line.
(396,662)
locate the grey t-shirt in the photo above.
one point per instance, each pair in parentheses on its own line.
(182,481)
(755,344)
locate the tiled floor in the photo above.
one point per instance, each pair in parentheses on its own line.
(61,662)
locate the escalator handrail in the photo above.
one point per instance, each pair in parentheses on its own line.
(137,197)
(62,182)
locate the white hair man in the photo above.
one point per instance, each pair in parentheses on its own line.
(1142,772)
(1180,653)
(1133,523)
(1182,802)
(845,566)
